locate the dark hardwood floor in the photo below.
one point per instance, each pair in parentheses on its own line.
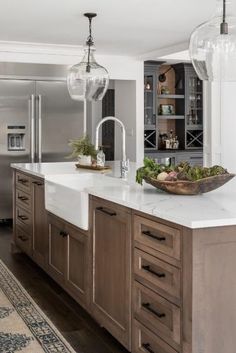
(79,329)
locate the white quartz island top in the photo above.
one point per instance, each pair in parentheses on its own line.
(216,208)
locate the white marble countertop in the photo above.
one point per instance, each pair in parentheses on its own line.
(216,208)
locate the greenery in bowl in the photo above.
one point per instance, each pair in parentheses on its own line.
(83,147)
(181,172)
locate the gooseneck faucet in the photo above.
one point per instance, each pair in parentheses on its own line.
(124,167)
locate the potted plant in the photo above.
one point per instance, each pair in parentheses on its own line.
(84,150)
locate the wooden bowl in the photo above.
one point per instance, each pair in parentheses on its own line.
(182,187)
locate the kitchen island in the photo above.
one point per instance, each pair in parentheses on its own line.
(156,270)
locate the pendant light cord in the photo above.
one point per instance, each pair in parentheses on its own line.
(89,43)
(224,24)
(224,10)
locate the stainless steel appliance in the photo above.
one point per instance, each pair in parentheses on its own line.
(37,118)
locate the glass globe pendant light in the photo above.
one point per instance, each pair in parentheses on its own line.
(213,47)
(88,80)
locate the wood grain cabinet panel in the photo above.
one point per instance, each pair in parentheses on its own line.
(24,220)
(23,182)
(77,264)
(40,238)
(144,341)
(23,199)
(57,250)
(157,314)
(158,236)
(111,297)
(159,275)
(23,241)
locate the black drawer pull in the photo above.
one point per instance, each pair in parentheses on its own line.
(23,181)
(38,183)
(148,348)
(158,274)
(23,218)
(23,198)
(149,308)
(21,237)
(105,211)
(149,234)
(63,233)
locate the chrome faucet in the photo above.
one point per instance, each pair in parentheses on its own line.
(124,165)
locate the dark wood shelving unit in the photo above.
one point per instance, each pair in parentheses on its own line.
(186,97)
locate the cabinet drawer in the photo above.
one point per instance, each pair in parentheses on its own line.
(23,182)
(23,199)
(159,275)
(23,241)
(144,341)
(157,313)
(24,219)
(157,236)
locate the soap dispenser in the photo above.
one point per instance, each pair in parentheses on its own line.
(100,158)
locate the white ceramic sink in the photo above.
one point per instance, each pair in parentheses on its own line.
(66,196)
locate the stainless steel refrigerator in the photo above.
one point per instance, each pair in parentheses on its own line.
(37,118)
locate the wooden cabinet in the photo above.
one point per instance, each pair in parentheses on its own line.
(157,281)
(77,269)
(68,258)
(30,231)
(111,277)
(147,342)
(57,249)
(157,313)
(157,236)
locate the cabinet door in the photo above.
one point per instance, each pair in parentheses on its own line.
(111,269)
(77,264)
(57,249)
(40,243)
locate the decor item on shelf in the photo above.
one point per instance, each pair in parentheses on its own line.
(213,47)
(171,142)
(162,77)
(182,179)
(165,90)
(147,86)
(166,109)
(84,150)
(88,80)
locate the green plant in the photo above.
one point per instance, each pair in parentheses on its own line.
(83,147)
(182,171)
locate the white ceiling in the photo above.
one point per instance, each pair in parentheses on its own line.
(124,27)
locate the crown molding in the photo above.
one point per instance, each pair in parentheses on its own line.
(162,52)
(40,48)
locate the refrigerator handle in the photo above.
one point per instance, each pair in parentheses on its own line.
(40,127)
(32,125)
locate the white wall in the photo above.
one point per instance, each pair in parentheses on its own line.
(220,128)
(125,110)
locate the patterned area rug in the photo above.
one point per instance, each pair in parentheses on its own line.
(23,326)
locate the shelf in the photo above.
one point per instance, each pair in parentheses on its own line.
(171,117)
(194,127)
(148,107)
(149,127)
(171,96)
(148,91)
